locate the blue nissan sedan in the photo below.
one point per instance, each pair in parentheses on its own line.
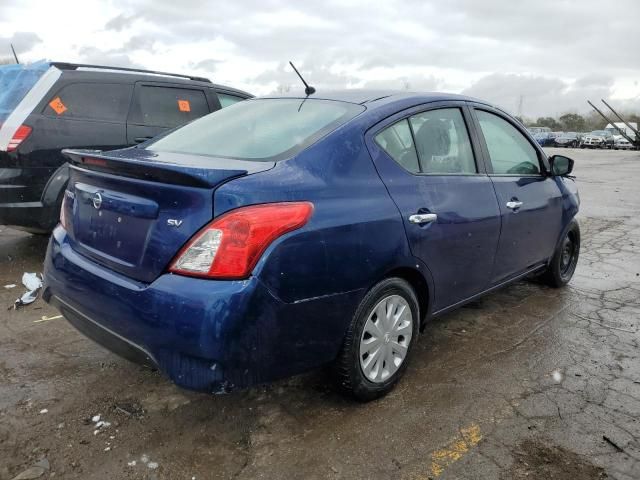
(282,234)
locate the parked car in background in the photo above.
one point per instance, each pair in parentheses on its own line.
(282,234)
(545,139)
(48,106)
(567,139)
(622,143)
(598,139)
(533,130)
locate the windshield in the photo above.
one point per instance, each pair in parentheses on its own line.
(15,83)
(599,132)
(261,129)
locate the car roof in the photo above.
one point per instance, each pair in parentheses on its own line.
(128,75)
(378,97)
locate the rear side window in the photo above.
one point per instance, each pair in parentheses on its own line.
(226,99)
(397,141)
(440,139)
(442,142)
(170,107)
(266,129)
(92,101)
(509,151)
(15,83)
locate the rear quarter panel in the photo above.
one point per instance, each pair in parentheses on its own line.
(355,234)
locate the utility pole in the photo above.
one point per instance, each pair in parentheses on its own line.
(520,105)
(14,54)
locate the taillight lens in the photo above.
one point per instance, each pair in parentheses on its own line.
(230,246)
(63,212)
(21,135)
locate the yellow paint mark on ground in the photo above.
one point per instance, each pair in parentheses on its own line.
(469,437)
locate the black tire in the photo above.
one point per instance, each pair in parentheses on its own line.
(565,258)
(347,370)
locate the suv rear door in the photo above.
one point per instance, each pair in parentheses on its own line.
(158,107)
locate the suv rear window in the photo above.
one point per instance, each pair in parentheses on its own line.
(94,101)
(267,129)
(15,83)
(170,107)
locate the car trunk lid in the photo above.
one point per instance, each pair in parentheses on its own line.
(132,210)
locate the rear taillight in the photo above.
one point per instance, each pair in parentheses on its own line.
(21,135)
(230,246)
(63,214)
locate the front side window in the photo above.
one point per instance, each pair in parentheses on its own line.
(509,151)
(266,129)
(93,101)
(170,107)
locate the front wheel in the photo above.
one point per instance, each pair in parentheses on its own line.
(379,340)
(565,259)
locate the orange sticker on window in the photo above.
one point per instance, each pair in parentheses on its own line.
(184,106)
(57,106)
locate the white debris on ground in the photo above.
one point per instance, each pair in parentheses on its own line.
(44,410)
(11,285)
(33,284)
(99,424)
(153,465)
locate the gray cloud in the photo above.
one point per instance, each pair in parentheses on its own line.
(120,22)
(21,41)
(554,55)
(110,58)
(534,96)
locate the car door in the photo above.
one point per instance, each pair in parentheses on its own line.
(157,107)
(434,174)
(530,200)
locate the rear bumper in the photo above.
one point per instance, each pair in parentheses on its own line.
(22,203)
(205,335)
(30,216)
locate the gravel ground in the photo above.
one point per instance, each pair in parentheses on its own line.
(528,382)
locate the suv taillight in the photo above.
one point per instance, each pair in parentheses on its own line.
(21,134)
(63,212)
(230,246)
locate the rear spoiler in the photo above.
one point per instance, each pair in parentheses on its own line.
(196,171)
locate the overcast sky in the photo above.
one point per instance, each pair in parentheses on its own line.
(542,57)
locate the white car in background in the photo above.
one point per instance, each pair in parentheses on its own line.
(621,143)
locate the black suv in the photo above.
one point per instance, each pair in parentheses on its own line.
(48,106)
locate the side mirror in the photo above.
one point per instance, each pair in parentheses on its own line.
(561,166)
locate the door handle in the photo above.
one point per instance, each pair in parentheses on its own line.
(141,139)
(514,205)
(421,218)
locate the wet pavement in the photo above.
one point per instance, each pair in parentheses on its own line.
(528,382)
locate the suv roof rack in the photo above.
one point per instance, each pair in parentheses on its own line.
(76,66)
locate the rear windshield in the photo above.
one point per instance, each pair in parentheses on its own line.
(15,83)
(267,129)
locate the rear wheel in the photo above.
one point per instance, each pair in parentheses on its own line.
(564,261)
(379,340)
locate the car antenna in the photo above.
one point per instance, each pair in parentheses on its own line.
(14,54)
(308,89)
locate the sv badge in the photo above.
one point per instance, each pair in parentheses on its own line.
(172,222)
